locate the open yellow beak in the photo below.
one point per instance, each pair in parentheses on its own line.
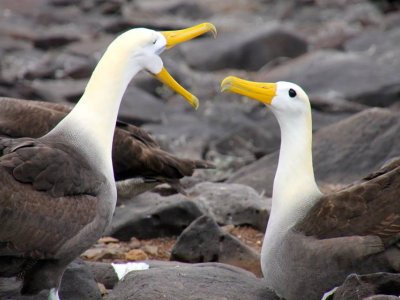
(176,37)
(168,80)
(261,91)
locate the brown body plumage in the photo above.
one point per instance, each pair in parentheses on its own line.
(369,207)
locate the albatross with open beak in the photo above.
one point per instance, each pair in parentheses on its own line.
(313,241)
(57,192)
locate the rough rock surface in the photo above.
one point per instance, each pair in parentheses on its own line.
(103,273)
(150,215)
(212,281)
(248,50)
(231,204)
(371,286)
(204,241)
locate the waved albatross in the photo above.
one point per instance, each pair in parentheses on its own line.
(138,161)
(313,241)
(57,192)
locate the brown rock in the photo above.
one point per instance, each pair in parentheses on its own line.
(136,254)
(149,249)
(204,241)
(134,243)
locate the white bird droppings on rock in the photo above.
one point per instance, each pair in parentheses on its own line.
(122,269)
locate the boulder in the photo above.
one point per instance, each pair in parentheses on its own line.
(56,66)
(204,241)
(150,215)
(248,50)
(91,47)
(234,204)
(15,64)
(377,41)
(342,152)
(139,107)
(211,281)
(185,134)
(106,274)
(383,45)
(58,91)
(370,286)
(181,8)
(249,140)
(50,40)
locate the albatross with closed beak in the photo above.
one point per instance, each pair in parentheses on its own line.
(313,241)
(57,192)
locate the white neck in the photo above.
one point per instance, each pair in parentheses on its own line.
(90,125)
(295,189)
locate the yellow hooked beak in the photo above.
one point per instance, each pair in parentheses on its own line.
(261,91)
(176,37)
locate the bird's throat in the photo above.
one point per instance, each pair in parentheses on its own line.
(295,189)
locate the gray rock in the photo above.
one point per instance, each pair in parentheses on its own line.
(62,3)
(15,64)
(181,8)
(235,204)
(382,297)
(58,91)
(259,175)
(103,273)
(60,66)
(90,47)
(331,104)
(352,148)
(185,135)
(354,76)
(371,286)
(248,50)
(342,152)
(211,281)
(249,140)
(139,107)
(204,241)
(383,45)
(392,20)
(53,40)
(376,41)
(150,215)
(77,283)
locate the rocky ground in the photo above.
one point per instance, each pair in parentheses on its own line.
(346,55)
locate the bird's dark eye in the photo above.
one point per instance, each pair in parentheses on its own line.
(292,93)
(155,41)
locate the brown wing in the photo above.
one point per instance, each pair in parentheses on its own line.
(22,118)
(47,196)
(135,153)
(371,207)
